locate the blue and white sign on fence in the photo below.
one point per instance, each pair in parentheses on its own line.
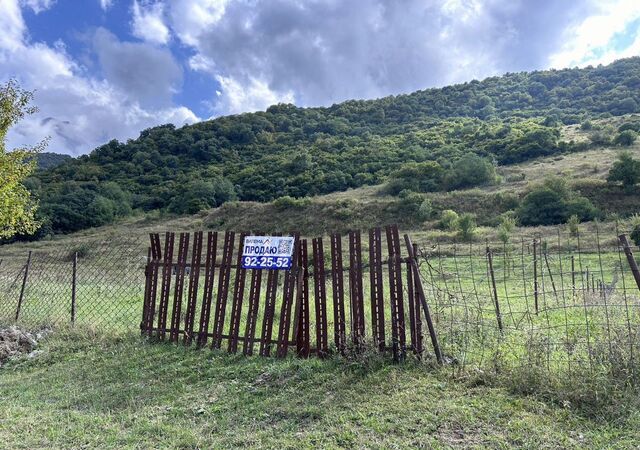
(267,252)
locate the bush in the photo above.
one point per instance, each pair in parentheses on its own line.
(506,227)
(469,171)
(426,210)
(625,170)
(411,202)
(449,220)
(417,177)
(466,227)
(573,223)
(288,202)
(553,203)
(626,138)
(586,125)
(635,235)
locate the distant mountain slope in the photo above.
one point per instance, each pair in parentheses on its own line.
(49,160)
(308,151)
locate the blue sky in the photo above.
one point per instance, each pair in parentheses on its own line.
(105,69)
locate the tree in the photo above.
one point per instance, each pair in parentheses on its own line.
(553,203)
(17,207)
(625,170)
(470,170)
(417,177)
(625,138)
(466,227)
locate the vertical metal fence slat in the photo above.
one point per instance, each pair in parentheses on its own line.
(223,289)
(209,279)
(194,280)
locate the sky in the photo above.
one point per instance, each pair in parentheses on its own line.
(105,69)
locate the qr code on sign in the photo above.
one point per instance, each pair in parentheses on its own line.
(284,247)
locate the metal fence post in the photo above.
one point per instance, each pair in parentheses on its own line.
(73,288)
(24,284)
(535,274)
(495,290)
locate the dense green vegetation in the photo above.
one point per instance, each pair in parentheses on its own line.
(49,160)
(298,152)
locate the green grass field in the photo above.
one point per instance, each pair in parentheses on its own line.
(107,391)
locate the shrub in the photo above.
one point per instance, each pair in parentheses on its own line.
(635,235)
(426,209)
(449,220)
(625,170)
(573,223)
(469,171)
(417,177)
(506,227)
(288,202)
(411,202)
(586,125)
(553,203)
(626,138)
(466,227)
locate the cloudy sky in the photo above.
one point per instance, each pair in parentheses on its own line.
(105,69)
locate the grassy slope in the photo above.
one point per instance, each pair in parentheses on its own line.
(125,393)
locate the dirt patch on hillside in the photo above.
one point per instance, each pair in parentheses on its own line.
(15,342)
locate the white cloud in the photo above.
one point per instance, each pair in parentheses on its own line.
(589,42)
(106,4)
(38,5)
(11,24)
(146,73)
(148,22)
(321,52)
(78,111)
(190,18)
(255,95)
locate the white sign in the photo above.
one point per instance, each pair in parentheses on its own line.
(267,252)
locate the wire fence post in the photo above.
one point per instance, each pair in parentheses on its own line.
(632,262)
(24,284)
(495,290)
(73,288)
(535,275)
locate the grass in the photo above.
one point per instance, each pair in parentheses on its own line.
(108,391)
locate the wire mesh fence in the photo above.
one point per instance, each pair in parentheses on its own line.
(99,284)
(559,302)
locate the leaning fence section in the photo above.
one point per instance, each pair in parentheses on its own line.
(198,292)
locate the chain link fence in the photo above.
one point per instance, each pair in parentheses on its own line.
(99,284)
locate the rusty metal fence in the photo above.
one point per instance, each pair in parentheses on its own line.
(296,308)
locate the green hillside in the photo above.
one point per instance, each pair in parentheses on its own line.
(299,152)
(49,160)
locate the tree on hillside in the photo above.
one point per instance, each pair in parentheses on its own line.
(17,207)
(625,170)
(552,202)
(626,138)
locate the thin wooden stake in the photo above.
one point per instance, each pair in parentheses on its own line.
(630,259)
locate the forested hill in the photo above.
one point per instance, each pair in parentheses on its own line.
(307,151)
